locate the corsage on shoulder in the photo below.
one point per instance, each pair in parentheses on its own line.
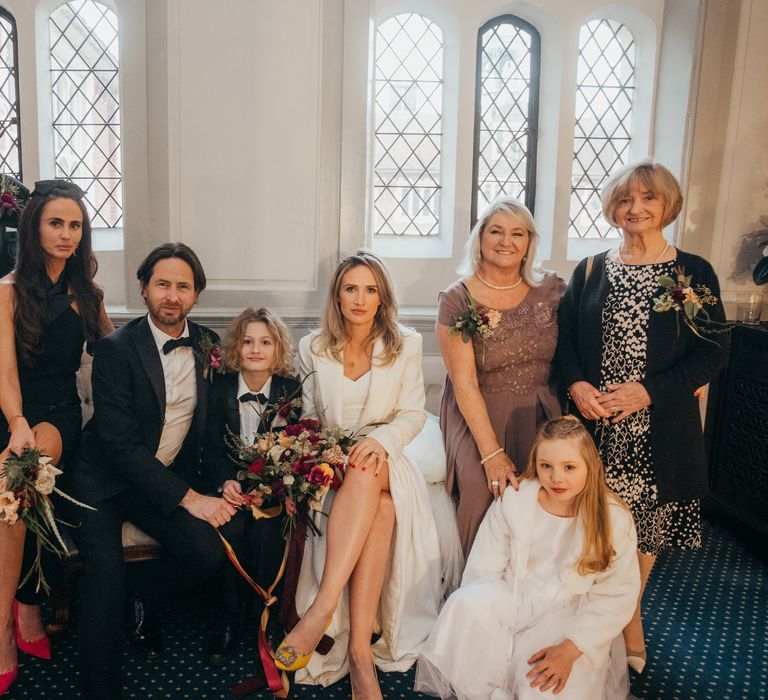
(472,322)
(688,301)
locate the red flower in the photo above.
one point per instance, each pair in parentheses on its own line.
(257,467)
(278,487)
(309,424)
(319,476)
(314,439)
(677,294)
(215,358)
(284,409)
(294,430)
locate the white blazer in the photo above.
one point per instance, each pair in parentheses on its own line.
(396,396)
(501,550)
(410,597)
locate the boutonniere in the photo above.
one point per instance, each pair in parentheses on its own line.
(688,301)
(471,322)
(209,354)
(286,406)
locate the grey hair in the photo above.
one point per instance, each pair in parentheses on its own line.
(472,255)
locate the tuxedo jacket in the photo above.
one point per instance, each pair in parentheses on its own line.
(118,447)
(224,415)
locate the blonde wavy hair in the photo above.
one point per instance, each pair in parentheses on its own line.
(593,503)
(472,248)
(650,175)
(233,342)
(333,334)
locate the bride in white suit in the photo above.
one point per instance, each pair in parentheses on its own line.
(378,560)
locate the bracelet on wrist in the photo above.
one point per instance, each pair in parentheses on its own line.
(491,455)
(13,418)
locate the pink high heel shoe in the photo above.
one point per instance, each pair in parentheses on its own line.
(41,648)
(7,679)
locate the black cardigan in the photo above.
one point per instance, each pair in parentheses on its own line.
(676,365)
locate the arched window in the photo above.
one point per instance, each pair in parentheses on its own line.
(604,96)
(86,105)
(506,111)
(10,145)
(408,99)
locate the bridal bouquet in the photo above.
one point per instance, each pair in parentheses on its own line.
(294,467)
(26,483)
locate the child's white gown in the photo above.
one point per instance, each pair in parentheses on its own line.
(490,627)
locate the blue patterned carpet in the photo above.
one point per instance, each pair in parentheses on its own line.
(705,618)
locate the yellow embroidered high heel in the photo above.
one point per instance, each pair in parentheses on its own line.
(288,659)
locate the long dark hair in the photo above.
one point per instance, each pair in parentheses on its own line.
(31,278)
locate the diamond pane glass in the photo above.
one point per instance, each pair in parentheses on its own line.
(604,94)
(86,106)
(10,149)
(408,127)
(505,118)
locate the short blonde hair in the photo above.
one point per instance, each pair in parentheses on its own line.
(652,176)
(233,342)
(333,334)
(472,249)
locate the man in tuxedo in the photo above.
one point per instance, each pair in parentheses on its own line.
(139,460)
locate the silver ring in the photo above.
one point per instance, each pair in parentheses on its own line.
(495,482)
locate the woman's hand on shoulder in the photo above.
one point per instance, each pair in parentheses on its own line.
(587,400)
(624,399)
(21,436)
(500,471)
(368,453)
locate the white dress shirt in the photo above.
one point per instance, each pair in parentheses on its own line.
(250,411)
(180,393)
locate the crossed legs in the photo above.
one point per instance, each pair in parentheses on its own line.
(359,533)
(12,539)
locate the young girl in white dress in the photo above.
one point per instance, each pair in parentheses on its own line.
(551,581)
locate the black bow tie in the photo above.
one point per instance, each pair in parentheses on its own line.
(254,397)
(176,343)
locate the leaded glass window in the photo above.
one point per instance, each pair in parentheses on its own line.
(408,85)
(604,95)
(10,145)
(506,111)
(86,105)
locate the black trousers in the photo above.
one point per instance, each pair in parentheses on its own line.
(259,548)
(192,552)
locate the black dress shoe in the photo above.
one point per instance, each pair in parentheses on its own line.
(145,631)
(222,643)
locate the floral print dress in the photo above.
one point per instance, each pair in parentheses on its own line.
(625,447)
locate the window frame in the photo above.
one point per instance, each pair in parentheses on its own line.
(111,237)
(534,90)
(6,14)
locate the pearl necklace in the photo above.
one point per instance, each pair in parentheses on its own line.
(502,287)
(661,255)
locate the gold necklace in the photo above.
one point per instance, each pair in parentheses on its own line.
(661,255)
(503,287)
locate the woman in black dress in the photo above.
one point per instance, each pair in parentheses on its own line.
(633,366)
(49,306)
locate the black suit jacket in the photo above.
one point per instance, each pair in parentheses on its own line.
(224,414)
(118,448)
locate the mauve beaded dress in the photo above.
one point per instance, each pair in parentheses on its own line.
(513,371)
